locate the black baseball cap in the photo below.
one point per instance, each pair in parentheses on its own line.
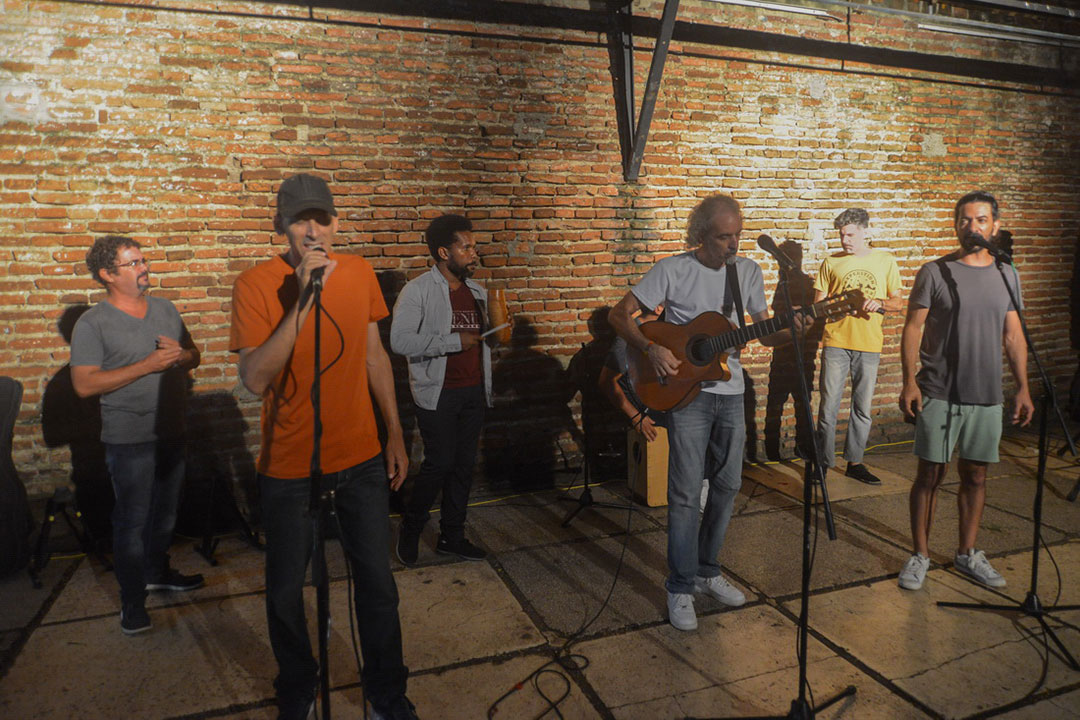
(304,192)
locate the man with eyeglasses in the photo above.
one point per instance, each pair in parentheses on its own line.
(275,339)
(134,350)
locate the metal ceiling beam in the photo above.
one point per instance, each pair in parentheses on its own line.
(621,54)
(652,89)
(507,12)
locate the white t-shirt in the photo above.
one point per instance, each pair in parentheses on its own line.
(686,288)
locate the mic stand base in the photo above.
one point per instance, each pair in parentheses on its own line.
(1031,607)
(800,708)
(585,500)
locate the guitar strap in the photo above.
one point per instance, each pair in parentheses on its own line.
(732,290)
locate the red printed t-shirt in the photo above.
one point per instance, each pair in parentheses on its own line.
(261,297)
(463,368)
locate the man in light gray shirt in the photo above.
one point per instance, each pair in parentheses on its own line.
(134,351)
(438,318)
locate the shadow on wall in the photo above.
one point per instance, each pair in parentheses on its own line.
(603,426)
(67,419)
(529,417)
(220,476)
(783,369)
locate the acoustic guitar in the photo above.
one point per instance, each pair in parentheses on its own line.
(703,346)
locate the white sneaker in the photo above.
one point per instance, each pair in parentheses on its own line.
(914,572)
(978,567)
(680,608)
(721,589)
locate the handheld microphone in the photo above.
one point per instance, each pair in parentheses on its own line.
(767,244)
(317,273)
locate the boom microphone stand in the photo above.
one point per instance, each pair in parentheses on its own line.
(800,706)
(1032,605)
(320,507)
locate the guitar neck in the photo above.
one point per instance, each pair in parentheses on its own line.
(742,336)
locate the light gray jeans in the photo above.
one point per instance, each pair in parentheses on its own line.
(836,365)
(713,425)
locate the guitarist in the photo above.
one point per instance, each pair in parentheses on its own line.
(687,285)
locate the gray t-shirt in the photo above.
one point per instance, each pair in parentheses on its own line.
(686,288)
(961,347)
(151,407)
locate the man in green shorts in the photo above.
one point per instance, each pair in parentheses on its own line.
(958,312)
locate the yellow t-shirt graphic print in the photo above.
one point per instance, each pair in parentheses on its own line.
(878,276)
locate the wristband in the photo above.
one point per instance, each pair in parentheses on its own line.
(645,350)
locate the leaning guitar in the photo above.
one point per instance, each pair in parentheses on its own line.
(702,347)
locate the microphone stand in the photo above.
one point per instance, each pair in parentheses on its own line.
(1032,605)
(320,508)
(815,473)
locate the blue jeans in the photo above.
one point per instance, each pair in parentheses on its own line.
(714,424)
(362,497)
(836,365)
(451,434)
(146,478)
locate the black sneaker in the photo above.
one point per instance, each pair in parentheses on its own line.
(862,473)
(408,547)
(463,549)
(134,619)
(176,581)
(400,709)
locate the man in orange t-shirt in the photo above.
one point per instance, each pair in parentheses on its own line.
(275,340)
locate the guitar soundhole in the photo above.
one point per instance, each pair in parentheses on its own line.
(698,351)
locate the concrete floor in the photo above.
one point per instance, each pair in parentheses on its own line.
(475,631)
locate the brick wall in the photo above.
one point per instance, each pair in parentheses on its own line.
(175,127)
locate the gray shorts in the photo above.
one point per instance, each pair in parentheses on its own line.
(974,431)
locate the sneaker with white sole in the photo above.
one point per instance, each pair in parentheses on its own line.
(134,619)
(680,608)
(721,589)
(914,572)
(977,567)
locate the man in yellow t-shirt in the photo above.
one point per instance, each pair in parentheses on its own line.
(852,345)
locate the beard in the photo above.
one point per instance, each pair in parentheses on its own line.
(461,272)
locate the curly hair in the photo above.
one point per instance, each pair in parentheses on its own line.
(700,221)
(443,230)
(102,255)
(852,216)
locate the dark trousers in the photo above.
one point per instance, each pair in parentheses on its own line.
(451,434)
(362,499)
(146,479)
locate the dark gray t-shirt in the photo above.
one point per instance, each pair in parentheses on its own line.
(961,346)
(151,407)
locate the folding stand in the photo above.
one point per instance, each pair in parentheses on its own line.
(58,504)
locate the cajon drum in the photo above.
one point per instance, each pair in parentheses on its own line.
(646,467)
